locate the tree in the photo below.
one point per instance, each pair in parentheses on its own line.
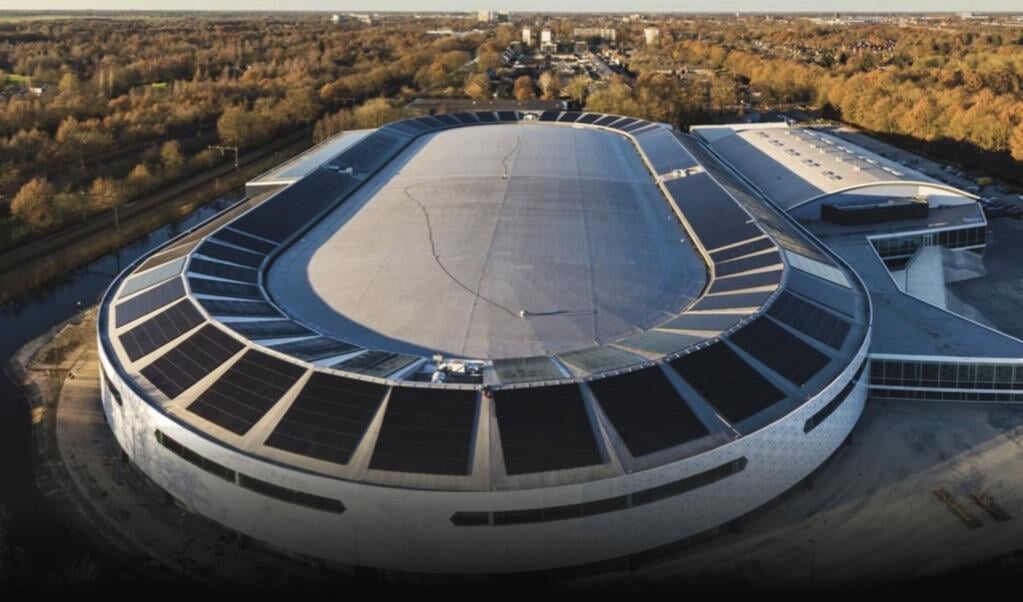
(300,106)
(478,86)
(238,126)
(34,203)
(578,87)
(523,89)
(171,157)
(1016,143)
(549,85)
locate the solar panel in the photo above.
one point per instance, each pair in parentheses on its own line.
(377,363)
(647,411)
(170,254)
(716,218)
(486,117)
(632,127)
(427,431)
(569,116)
(329,418)
(746,248)
(734,301)
(550,115)
(526,369)
(316,348)
(430,123)
(285,213)
(256,245)
(606,119)
(780,350)
(269,329)
(710,322)
(151,300)
(227,271)
(222,288)
(664,152)
(623,123)
(600,359)
(466,118)
(660,342)
(588,118)
(745,264)
(231,254)
(738,283)
(728,383)
(545,428)
(507,116)
(189,362)
(153,277)
(224,307)
(810,319)
(246,392)
(161,329)
(446,119)
(823,292)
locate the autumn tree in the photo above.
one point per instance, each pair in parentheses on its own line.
(549,85)
(1016,143)
(34,203)
(171,157)
(578,87)
(478,86)
(523,88)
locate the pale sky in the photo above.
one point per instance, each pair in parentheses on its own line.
(528,5)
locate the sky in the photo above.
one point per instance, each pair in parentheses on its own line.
(528,5)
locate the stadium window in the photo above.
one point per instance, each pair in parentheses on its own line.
(604,506)
(290,495)
(193,458)
(114,393)
(829,408)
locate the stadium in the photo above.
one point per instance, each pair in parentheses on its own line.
(506,341)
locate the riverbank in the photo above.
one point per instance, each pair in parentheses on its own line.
(40,261)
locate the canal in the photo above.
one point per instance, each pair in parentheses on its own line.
(31,526)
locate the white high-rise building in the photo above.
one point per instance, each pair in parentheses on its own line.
(527,36)
(546,37)
(651,34)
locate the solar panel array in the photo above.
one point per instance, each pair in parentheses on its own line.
(225,307)
(810,319)
(282,215)
(427,431)
(664,151)
(431,430)
(223,288)
(198,265)
(545,428)
(246,392)
(716,218)
(149,301)
(780,350)
(269,329)
(216,250)
(240,239)
(727,382)
(161,329)
(315,348)
(647,411)
(328,418)
(186,364)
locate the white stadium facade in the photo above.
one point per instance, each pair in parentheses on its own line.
(513,341)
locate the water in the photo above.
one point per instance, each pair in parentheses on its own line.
(31,526)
